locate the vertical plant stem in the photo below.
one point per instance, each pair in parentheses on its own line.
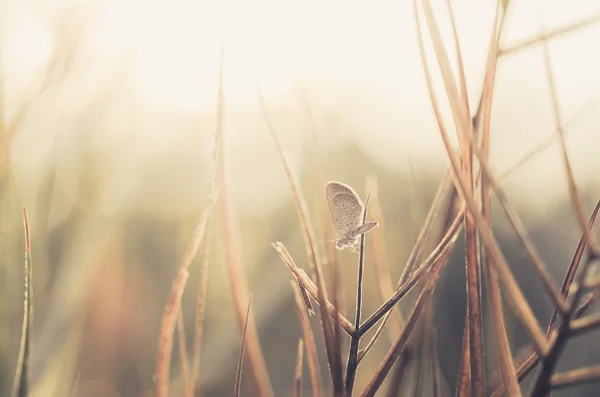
(240,365)
(352,364)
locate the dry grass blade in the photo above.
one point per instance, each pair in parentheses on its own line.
(233,254)
(240,364)
(299,364)
(169,318)
(21,379)
(476,362)
(576,377)
(539,265)
(549,35)
(200,306)
(431,261)
(573,190)
(435,366)
(309,286)
(411,263)
(352,364)
(311,346)
(183,356)
(527,358)
(337,371)
(574,265)
(546,143)
(423,299)
(517,299)
(309,236)
(75,385)
(561,336)
(502,345)
(381,261)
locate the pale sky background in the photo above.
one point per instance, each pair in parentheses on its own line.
(356,59)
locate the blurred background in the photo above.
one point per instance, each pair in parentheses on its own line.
(109,114)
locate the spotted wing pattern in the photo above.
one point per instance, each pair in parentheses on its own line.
(346,211)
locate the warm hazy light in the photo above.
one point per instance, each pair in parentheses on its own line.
(358,60)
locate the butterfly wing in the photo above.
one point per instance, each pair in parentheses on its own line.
(367,227)
(345,209)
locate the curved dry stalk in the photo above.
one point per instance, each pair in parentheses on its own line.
(502,345)
(299,364)
(475,365)
(75,385)
(352,364)
(422,301)
(576,377)
(173,306)
(240,364)
(183,356)
(305,282)
(200,306)
(549,35)
(381,261)
(311,346)
(21,380)
(519,304)
(439,252)
(309,237)
(233,253)
(573,190)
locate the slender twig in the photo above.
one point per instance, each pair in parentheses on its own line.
(201,306)
(310,287)
(183,356)
(514,293)
(240,364)
(308,233)
(352,364)
(423,299)
(21,380)
(433,258)
(299,364)
(549,35)
(75,385)
(476,363)
(337,371)
(576,377)
(238,278)
(173,306)
(311,347)
(573,190)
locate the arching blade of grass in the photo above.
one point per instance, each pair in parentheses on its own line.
(299,365)
(238,278)
(311,346)
(519,304)
(311,250)
(173,306)
(21,379)
(240,365)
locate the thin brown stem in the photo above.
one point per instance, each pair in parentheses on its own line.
(240,364)
(299,365)
(311,346)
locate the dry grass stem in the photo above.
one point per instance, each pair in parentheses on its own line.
(21,379)
(309,235)
(169,318)
(311,346)
(299,364)
(517,299)
(309,286)
(240,365)
(201,306)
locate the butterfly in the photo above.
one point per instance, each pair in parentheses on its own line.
(347,211)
